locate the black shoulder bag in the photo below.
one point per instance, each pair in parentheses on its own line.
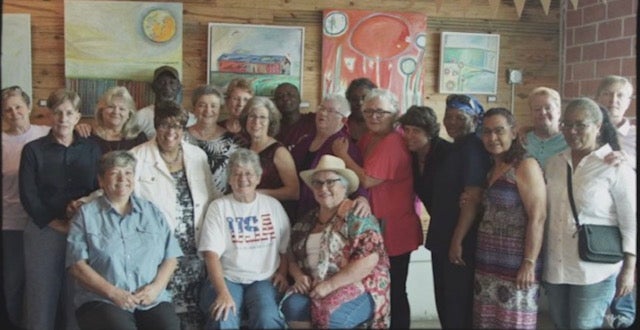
(596,243)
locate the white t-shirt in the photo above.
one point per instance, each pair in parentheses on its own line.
(248,237)
(145,121)
(14,217)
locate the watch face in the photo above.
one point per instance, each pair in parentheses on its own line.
(159,25)
(335,24)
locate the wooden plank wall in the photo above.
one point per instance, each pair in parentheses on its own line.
(530,43)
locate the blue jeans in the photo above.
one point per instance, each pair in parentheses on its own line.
(350,314)
(259,299)
(579,306)
(624,310)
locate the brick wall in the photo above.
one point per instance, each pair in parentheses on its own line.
(600,39)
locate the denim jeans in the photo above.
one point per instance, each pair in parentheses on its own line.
(258,300)
(350,314)
(579,306)
(624,310)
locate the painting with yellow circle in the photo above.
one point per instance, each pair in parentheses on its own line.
(159,25)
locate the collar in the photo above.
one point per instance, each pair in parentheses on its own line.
(601,153)
(105,204)
(77,139)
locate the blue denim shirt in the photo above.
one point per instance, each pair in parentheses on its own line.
(125,250)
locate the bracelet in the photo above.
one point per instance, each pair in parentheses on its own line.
(529,260)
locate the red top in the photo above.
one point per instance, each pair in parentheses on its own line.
(392,200)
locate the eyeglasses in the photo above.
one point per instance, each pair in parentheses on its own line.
(168,126)
(331,111)
(461,98)
(580,127)
(376,113)
(318,184)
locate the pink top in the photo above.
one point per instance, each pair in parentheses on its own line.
(392,200)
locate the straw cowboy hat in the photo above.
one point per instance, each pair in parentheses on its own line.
(335,164)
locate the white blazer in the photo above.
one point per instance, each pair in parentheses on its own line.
(155,183)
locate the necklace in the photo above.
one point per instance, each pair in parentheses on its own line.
(175,160)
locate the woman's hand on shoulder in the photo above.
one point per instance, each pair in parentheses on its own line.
(361,207)
(340,147)
(615,158)
(83,129)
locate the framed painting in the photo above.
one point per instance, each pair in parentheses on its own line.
(119,43)
(469,63)
(386,47)
(265,55)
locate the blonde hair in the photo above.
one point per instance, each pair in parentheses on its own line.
(552,94)
(130,129)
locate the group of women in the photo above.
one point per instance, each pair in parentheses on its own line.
(339,257)
(487,272)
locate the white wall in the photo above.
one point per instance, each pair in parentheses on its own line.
(420,286)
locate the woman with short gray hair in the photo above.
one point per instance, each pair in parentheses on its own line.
(580,291)
(241,228)
(124,282)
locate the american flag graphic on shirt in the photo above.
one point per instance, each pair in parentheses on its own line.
(252,229)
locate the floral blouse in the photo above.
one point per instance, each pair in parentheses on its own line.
(346,238)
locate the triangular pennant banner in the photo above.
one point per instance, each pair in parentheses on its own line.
(519,6)
(545,5)
(575,4)
(495,4)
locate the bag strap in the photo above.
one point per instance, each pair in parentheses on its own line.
(570,191)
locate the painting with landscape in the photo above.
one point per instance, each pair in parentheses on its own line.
(265,55)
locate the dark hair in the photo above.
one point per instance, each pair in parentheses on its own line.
(608,132)
(422,117)
(357,83)
(166,110)
(516,152)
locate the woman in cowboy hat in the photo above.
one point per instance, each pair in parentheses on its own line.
(338,260)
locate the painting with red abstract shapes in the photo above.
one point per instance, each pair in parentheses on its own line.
(386,47)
